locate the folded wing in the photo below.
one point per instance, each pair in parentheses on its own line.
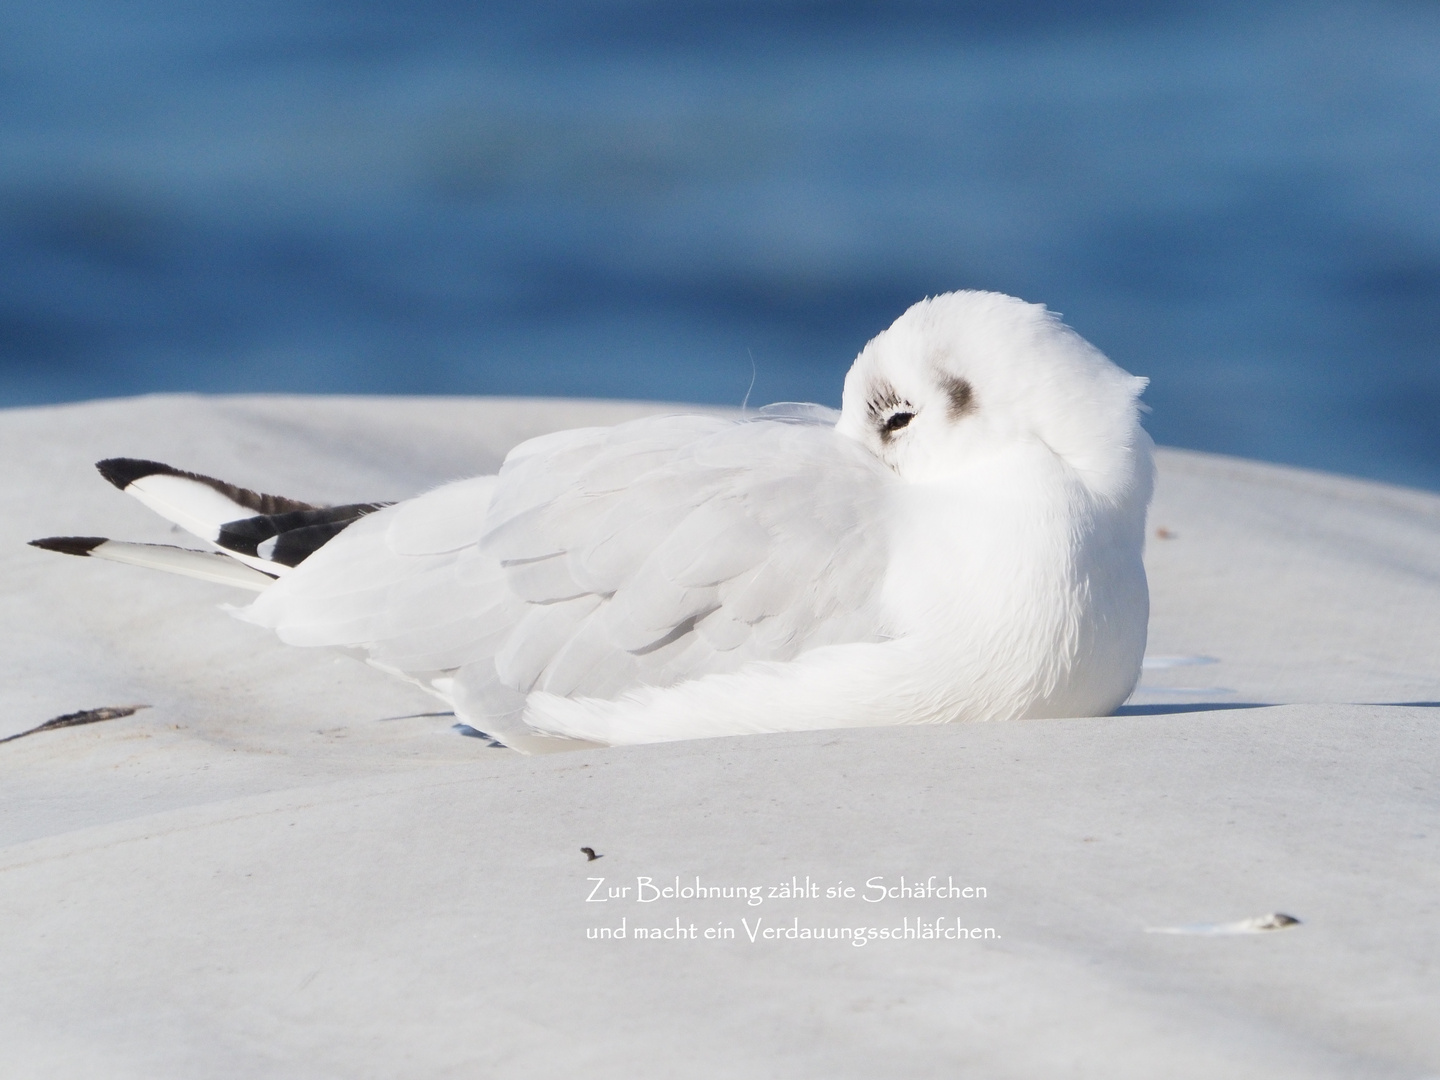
(602,560)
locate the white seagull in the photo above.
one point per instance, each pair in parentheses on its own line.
(961,542)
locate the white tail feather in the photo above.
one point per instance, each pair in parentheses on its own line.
(205,565)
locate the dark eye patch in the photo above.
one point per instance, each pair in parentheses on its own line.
(897,421)
(961,395)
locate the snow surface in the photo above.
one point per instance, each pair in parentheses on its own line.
(279,869)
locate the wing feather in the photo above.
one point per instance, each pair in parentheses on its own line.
(450,518)
(604,560)
(590,665)
(714,543)
(629,534)
(544,580)
(540,634)
(722,631)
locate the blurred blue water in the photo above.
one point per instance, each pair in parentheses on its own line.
(634,198)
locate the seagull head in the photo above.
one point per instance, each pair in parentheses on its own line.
(970,380)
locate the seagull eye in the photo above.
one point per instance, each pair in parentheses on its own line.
(897,421)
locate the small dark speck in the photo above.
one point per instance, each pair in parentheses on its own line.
(1278,921)
(590,855)
(1163,533)
(85,716)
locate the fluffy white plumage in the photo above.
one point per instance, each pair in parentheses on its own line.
(961,542)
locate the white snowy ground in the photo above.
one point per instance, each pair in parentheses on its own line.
(278,870)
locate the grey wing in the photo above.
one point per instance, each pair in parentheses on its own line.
(603,560)
(408,586)
(683,547)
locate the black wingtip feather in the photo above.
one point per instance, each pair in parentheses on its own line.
(124,471)
(69,545)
